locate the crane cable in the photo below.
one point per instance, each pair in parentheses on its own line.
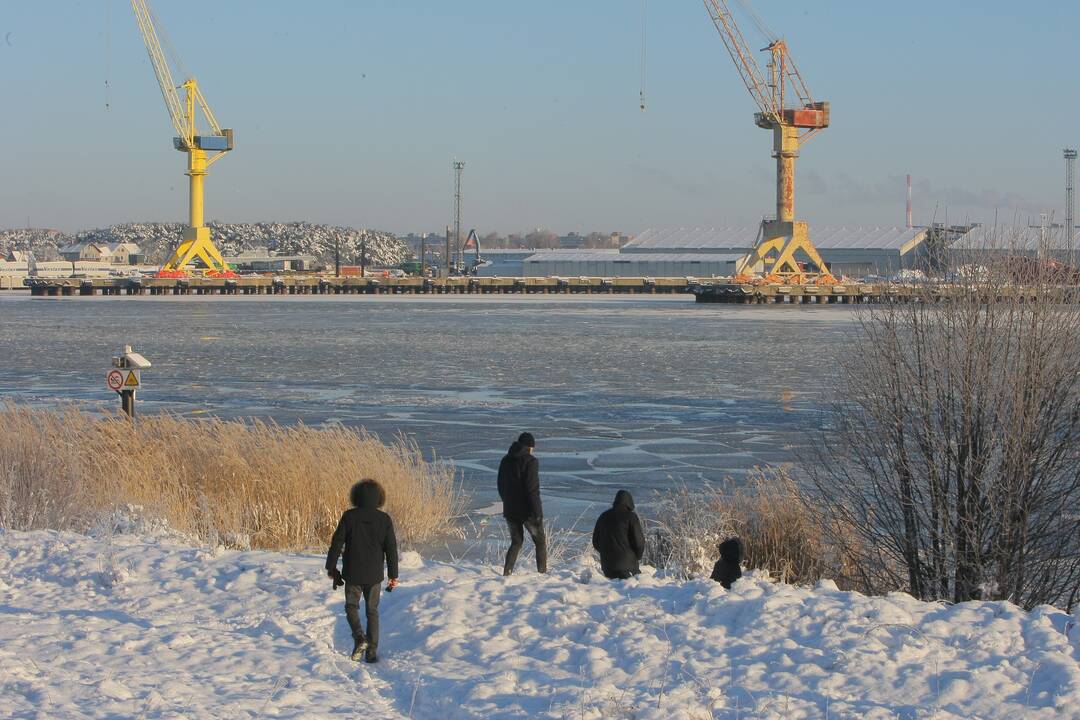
(167,43)
(758,22)
(644,49)
(108,52)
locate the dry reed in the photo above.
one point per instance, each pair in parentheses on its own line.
(249,484)
(785,533)
(782,530)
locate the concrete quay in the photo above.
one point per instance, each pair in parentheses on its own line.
(321,285)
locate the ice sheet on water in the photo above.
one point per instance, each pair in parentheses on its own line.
(661,379)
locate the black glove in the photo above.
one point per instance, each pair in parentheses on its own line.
(336,575)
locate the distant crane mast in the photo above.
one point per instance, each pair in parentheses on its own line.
(786,107)
(196,242)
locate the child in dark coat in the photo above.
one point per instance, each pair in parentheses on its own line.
(727,570)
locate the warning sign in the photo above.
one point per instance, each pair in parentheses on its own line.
(115,380)
(121,380)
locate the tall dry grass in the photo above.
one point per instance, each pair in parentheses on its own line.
(782,529)
(245,483)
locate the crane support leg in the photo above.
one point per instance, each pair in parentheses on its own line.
(775,256)
(196,242)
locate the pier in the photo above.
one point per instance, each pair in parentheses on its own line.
(717,290)
(319,285)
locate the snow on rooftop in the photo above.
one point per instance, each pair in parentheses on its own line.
(735,237)
(147,626)
(1016,239)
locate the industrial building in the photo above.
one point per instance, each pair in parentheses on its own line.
(714,252)
(987,243)
(260,260)
(613,263)
(848,251)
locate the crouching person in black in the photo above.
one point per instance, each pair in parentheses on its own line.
(367,536)
(727,570)
(619,539)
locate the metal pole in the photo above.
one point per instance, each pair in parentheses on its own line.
(458,252)
(447,256)
(1070,195)
(423,255)
(127,403)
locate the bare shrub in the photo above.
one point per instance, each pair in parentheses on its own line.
(687,527)
(955,454)
(244,483)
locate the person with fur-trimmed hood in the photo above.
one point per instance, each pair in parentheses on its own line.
(366,534)
(619,539)
(727,570)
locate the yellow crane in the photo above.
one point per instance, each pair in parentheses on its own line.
(786,107)
(196,242)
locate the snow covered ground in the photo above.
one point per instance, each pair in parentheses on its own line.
(146,626)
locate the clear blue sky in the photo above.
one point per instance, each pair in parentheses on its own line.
(350,112)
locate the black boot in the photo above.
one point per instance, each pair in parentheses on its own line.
(358,648)
(370,656)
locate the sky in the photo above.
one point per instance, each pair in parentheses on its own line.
(351,112)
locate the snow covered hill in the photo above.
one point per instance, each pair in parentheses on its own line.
(143,625)
(158,239)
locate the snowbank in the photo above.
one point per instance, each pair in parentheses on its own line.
(138,626)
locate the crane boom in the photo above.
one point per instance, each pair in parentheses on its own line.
(145,19)
(740,53)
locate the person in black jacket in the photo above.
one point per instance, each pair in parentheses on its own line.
(519,488)
(727,570)
(619,539)
(367,536)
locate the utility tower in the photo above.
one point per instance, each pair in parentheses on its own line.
(458,166)
(1070,194)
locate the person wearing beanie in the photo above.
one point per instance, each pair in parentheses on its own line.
(519,488)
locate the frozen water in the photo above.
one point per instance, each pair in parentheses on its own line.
(629,391)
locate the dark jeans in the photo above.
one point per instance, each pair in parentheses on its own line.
(371,595)
(517,539)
